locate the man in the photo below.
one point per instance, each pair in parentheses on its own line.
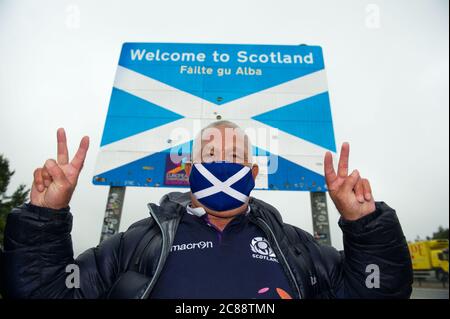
(213,242)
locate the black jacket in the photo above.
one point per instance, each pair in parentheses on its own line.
(38,248)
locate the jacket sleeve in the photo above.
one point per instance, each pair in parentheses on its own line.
(38,257)
(375,262)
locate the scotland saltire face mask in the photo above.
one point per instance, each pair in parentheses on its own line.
(221,186)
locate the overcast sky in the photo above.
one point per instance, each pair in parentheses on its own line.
(388,85)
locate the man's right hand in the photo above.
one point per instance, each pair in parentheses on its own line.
(55,182)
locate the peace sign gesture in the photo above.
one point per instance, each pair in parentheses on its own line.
(55,182)
(351,194)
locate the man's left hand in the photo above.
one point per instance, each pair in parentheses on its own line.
(351,194)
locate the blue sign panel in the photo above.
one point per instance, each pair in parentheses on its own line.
(164,93)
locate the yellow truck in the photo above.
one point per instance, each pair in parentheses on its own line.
(430,259)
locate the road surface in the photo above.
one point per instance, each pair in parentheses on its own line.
(429,293)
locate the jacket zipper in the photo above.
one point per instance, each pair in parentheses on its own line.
(164,243)
(283,257)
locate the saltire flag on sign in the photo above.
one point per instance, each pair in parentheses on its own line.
(164,93)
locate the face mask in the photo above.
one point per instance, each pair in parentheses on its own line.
(221,186)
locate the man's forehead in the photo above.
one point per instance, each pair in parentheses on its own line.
(231,140)
(227,135)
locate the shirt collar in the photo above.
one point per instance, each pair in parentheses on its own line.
(200,211)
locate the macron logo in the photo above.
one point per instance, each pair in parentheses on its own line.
(190,246)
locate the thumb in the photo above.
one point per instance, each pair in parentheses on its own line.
(56,173)
(350,181)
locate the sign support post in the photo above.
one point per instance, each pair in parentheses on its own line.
(321,224)
(113,212)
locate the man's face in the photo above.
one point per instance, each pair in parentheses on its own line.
(222,144)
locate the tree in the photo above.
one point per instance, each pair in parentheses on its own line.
(442,233)
(7,203)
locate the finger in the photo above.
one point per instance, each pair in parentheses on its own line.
(367,189)
(46,177)
(38,180)
(330,173)
(359,191)
(350,181)
(56,173)
(343,160)
(63,153)
(79,157)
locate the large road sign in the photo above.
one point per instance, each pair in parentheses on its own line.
(164,93)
